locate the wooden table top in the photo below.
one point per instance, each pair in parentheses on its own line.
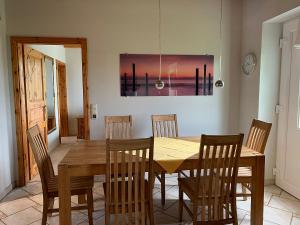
(93,153)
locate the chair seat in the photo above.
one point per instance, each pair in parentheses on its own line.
(146,194)
(77,183)
(189,186)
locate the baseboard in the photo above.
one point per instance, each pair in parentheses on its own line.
(6,191)
(269,181)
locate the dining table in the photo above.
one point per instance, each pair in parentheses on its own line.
(88,158)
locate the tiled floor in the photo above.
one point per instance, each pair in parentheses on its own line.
(23,206)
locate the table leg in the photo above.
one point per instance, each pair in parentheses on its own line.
(64,194)
(257,191)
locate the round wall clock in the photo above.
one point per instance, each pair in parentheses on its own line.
(249,63)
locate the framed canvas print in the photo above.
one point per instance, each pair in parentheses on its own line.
(181,75)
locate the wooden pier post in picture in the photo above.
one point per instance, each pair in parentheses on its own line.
(182,75)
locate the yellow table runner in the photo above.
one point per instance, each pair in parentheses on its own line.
(170,153)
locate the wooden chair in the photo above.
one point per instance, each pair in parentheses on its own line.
(118,127)
(128,185)
(214,187)
(257,140)
(79,185)
(164,126)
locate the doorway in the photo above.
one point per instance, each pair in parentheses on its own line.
(289,118)
(29,92)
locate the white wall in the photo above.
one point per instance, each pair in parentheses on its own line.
(75,88)
(7,165)
(114,27)
(255,12)
(269,86)
(55,52)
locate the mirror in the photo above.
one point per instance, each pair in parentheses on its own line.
(50,94)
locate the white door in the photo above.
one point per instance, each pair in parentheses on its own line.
(288,158)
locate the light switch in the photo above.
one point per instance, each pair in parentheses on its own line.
(94,111)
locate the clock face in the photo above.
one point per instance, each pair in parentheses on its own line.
(249,64)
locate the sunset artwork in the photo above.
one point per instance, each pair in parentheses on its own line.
(183,75)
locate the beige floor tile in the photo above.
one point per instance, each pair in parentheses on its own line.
(273,189)
(162,218)
(37,178)
(173,211)
(241,215)
(33,188)
(173,191)
(14,206)
(277,216)
(38,222)
(99,204)
(285,204)
(289,196)
(24,217)
(295,221)
(244,205)
(246,221)
(157,201)
(39,207)
(267,197)
(15,194)
(37,198)
(96,214)
(2,215)
(77,218)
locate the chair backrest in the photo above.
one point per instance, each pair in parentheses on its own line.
(216,175)
(118,127)
(164,125)
(258,135)
(129,163)
(41,155)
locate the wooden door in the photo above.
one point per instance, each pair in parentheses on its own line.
(35,97)
(62,99)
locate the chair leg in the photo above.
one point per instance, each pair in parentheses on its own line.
(146,214)
(235,213)
(180,204)
(107,215)
(45,210)
(203,212)
(151,212)
(163,188)
(90,203)
(244,191)
(195,213)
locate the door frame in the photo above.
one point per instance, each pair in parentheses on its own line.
(17,43)
(59,96)
(284,96)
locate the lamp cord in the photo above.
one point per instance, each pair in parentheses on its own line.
(221,38)
(159,36)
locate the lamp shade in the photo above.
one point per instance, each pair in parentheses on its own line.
(297,43)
